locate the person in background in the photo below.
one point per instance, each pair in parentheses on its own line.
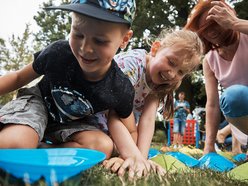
(155,76)
(181,110)
(225,138)
(226,43)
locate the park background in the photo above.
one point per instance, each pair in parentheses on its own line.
(152,16)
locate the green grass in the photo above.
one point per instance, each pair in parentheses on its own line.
(98,176)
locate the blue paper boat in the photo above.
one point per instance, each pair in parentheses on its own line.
(186,159)
(153,152)
(55,164)
(240,157)
(215,162)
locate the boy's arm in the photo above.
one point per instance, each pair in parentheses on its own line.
(147,125)
(14,80)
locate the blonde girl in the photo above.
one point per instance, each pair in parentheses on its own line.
(155,76)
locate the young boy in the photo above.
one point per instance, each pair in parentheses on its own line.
(80,79)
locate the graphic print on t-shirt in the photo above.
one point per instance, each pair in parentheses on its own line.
(71,104)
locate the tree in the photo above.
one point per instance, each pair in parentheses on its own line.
(54,25)
(15,55)
(151,17)
(241,9)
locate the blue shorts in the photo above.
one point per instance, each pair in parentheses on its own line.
(179,126)
(234,101)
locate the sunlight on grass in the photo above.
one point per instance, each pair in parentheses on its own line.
(177,173)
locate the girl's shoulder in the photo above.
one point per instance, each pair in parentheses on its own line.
(132,59)
(133,54)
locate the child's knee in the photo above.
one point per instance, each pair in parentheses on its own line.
(18,136)
(16,143)
(97,141)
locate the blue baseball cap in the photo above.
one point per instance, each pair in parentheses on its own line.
(117,11)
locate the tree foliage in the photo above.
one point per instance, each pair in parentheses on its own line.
(151,17)
(15,55)
(54,24)
(241,9)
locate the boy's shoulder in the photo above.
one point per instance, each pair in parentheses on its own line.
(118,78)
(60,45)
(56,51)
(53,57)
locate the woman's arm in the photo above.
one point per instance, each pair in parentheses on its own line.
(226,18)
(14,80)
(212,108)
(146,124)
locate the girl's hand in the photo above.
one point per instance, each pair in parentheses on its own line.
(157,168)
(222,14)
(136,167)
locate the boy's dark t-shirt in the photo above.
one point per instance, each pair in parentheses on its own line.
(68,96)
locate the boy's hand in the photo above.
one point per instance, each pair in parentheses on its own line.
(113,163)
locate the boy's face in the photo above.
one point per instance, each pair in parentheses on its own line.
(94,44)
(166,65)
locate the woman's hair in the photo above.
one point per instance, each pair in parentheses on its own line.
(192,47)
(193,24)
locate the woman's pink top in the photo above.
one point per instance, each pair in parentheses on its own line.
(231,72)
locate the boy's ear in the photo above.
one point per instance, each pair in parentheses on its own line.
(126,39)
(154,48)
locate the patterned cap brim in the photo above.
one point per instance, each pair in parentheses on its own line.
(91,11)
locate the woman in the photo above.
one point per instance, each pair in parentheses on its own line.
(225,63)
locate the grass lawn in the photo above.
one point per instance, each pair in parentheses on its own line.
(102,177)
(99,176)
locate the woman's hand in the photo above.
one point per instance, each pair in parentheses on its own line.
(222,14)
(208,148)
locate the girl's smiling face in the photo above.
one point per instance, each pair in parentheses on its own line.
(166,66)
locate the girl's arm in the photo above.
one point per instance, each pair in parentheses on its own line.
(121,136)
(212,108)
(14,80)
(147,124)
(226,18)
(133,159)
